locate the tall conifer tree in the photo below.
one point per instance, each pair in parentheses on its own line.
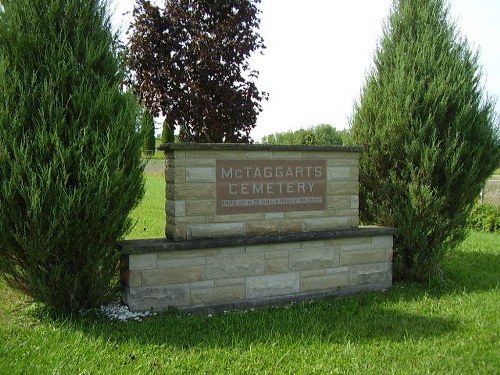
(430,135)
(70,167)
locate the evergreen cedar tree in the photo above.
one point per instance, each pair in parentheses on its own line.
(70,162)
(189,63)
(148,132)
(430,135)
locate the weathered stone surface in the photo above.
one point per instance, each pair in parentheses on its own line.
(175,275)
(371,273)
(342,188)
(157,298)
(313,259)
(142,261)
(362,257)
(229,282)
(215,230)
(323,283)
(355,201)
(217,295)
(269,216)
(339,173)
(382,242)
(199,190)
(175,175)
(135,279)
(197,174)
(181,262)
(327,223)
(261,228)
(278,265)
(290,226)
(338,202)
(272,285)
(231,266)
(176,208)
(200,207)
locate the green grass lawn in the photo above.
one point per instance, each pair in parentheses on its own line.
(450,326)
(149,216)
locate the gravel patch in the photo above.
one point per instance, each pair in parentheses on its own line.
(122,313)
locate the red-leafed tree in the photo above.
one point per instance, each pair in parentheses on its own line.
(189,62)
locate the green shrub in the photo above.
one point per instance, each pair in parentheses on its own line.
(485,218)
(70,167)
(430,135)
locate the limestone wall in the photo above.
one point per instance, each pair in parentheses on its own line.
(160,274)
(192,195)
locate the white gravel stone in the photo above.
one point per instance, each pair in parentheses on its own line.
(122,313)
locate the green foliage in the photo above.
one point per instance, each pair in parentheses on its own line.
(430,135)
(148,133)
(70,168)
(485,218)
(322,134)
(167,134)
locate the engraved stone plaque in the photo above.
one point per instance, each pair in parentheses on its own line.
(254,186)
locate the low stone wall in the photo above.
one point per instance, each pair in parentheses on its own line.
(250,271)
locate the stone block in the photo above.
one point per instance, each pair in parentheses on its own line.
(198,190)
(354,244)
(278,265)
(215,230)
(339,202)
(165,276)
(207,284)
(197,174)
(259,155)
(229,282)
(342,188)
(142,261)
(355,201)
(342,162)
(134,279)
(196,162)
(362,257)
(327,223)
(314,259)
(338,173)
(181,262)
(355,173)
(261,228)
(215,154)
(175,174)
(370,273)
(182,254)
(157,298)
(287,155)
(272,285)
(308,214)
(176,208)
(238,218)
(382,242)
(204,207)
(231,266)
(211,296)
(274,216)
(324,283)
(232,250)
(290,226)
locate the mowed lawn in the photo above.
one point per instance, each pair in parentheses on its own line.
(448,326)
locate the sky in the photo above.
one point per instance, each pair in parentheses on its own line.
(319,52)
